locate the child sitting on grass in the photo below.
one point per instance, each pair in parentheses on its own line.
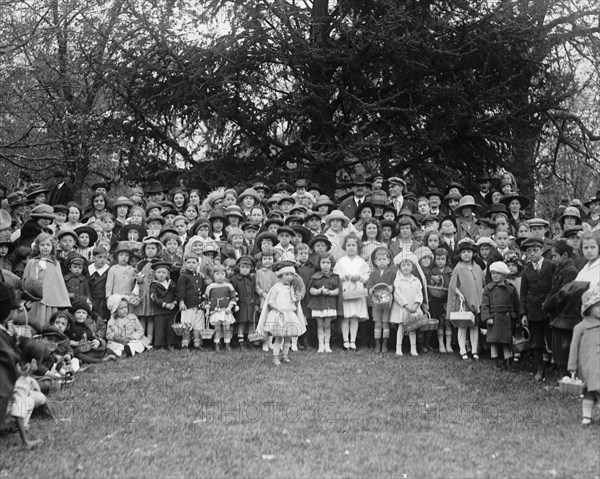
(87,347)
(282,316)
(584,356)
(124,333)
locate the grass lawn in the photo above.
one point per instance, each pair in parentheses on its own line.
(340,415)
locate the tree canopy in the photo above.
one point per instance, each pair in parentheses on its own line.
(222,90)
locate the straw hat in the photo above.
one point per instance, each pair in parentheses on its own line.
(43,212)
(337,215)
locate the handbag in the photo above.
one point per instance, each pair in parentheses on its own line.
(354,291)
(521,340)
(462,318)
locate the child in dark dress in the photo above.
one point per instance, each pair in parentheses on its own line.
(98,274)
(163,294)
(324,289)
(438,282)
(245,288)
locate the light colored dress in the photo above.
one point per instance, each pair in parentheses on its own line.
(407,292)
(349,267)
(55,295)
(288,323)
(590,272)
(127,331)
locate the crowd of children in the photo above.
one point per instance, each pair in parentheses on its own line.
(294,270)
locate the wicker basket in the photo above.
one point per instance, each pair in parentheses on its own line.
(180,328)
(572,388)
(415,322)
(381,295)
(438,292)
(521,342)
(430,325)
(207,332)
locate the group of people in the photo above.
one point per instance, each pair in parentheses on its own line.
(290,268)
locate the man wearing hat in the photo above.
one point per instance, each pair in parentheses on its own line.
(397,186)
(538,228)
(536,283)
(484,182)
(61,193)
(435,198)
(349,205)
(156,193)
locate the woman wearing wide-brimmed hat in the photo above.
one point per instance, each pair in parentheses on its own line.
(337,228)
(515,204)
(466,226)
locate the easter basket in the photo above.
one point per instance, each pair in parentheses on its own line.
(180,328)
(430,325)
(571,385)
(207,332)
(521,340)
(417,321)
(462,318)
(380,294)
(438,292)
(252,337)
(354,291)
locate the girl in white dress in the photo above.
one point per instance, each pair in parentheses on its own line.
(354,273)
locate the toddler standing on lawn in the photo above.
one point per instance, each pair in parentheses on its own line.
(324,290)
(499,310)
(408,297)
(221,301)
(584,356)
(281,316)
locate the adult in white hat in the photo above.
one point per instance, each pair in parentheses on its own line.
(337,228)
(466,224)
